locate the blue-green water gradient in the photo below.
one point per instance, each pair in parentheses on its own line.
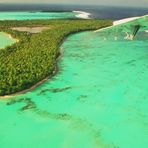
(98,99)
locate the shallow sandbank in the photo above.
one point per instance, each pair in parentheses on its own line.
(31,29)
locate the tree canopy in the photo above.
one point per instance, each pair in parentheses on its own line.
(34,57)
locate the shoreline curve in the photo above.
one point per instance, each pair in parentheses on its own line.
(54,72)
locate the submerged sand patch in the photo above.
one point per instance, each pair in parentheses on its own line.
(31,29)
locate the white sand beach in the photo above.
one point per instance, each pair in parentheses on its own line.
(82,14)
(118,22)
(122,21)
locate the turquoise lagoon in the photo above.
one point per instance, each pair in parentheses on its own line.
(36,15)
(98,98)
(5,40)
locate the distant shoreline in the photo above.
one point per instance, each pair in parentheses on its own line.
(122,21)
(82,14)
(56,67)
(54,72)
(51,75)
(77,14)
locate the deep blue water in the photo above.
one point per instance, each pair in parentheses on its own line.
(102,12)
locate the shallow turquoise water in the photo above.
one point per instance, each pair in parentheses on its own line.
(5,40)
(98,99)
(35,15)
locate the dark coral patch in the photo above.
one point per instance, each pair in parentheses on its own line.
(55,90)
(54,116)
(82,98)
(29,103)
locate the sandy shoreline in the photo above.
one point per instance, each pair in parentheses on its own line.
(31,88)
(122,21)
(118,22)
(54,72)
(10,36)
(56,67)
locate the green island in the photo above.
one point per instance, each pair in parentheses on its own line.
(34,57)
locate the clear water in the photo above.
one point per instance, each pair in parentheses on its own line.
(98,99)
(5,40)
(35,15)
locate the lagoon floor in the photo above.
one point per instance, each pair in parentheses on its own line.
(98,99)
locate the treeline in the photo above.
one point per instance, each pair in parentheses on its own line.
(34,57)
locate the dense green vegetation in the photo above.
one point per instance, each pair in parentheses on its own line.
(34,57)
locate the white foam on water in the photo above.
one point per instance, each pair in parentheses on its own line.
(82,14)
